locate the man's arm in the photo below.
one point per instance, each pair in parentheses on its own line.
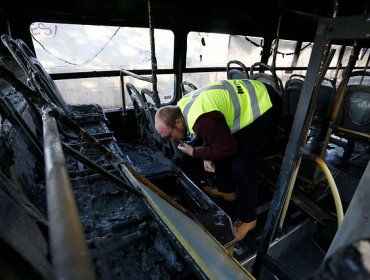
(218,141)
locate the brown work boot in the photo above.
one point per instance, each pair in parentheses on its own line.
(241,229)
(215,193)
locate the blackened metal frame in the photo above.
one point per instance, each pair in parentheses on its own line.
(345,28)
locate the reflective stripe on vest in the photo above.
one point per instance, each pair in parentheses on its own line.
(194,95)
(234,99)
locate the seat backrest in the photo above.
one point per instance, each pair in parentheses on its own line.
(187,87)
(153,96)
(270,79)
(354,111)
(235,73)
(325,101)
(292,92)
(43,85)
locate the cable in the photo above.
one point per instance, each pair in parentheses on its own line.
(77,64)
(331,182)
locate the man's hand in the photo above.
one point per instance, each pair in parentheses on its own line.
(209,166)
(186,149)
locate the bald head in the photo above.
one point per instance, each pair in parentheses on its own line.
(170,123)
(168,115)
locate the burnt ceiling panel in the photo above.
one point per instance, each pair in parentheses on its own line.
(239,17)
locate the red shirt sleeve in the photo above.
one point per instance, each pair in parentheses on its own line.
(218,142)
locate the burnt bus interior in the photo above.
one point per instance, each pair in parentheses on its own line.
(91,191)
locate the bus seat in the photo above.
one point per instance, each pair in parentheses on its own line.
(270,79)
(145,111)
(187,87)
(353,119)
(154,97)
(42,83)
(321,117)
(293,88)
(236,73)
(354,112)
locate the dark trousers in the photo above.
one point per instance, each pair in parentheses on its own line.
(238,173)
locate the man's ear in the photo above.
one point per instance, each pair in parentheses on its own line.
(180,122)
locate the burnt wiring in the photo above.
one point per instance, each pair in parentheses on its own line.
(86,61)
(282,53)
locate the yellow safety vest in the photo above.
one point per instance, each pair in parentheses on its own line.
(240,101)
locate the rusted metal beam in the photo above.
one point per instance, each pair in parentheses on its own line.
(69,252)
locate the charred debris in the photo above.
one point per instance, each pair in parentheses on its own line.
(88,203)
(81,201)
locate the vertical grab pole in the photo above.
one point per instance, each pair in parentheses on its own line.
(297,138)
(153,57)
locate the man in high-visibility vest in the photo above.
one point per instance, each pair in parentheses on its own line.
(233,118)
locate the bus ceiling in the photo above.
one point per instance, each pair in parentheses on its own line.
(255,18)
